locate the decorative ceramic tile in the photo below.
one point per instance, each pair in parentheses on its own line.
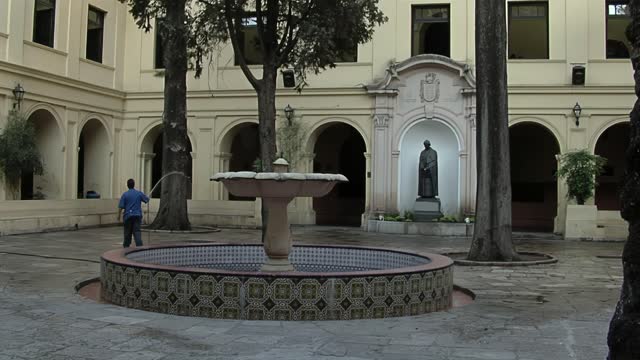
(260,297)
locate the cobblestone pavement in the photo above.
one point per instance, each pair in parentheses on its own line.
(558,311)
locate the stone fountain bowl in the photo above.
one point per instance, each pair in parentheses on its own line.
(278,185)
(328,283)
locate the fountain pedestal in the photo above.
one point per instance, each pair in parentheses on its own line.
(277,239)
(277,190)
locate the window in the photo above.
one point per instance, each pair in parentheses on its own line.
(528,30)
(159,51)
(44,19)
(431,30)
(95,33)
(250,43)
(346,53)
(618,19)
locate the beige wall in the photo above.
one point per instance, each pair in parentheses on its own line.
(124,93)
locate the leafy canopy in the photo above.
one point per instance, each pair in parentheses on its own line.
(580,169)
(18,150)
(307,35)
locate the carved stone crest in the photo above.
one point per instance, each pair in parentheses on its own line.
(430,88)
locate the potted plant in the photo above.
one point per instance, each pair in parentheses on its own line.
(579,169)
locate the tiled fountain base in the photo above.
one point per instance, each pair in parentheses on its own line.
(331,283)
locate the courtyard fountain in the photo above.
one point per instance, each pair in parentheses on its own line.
(277,281)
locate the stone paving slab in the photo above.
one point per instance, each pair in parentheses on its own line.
(559,311)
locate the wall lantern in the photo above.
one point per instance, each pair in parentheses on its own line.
(577,111)
(288,113)
(18,95)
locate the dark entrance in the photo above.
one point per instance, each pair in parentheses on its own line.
(245,150)
(340,149)
(611,145)
(156,167)
(533,177)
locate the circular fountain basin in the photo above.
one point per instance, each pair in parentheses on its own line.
(329,283)
(278,185)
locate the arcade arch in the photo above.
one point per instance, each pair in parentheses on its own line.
(50,144)
(151,167)
(242,145)
(94,162)
(612,145)
(340,148)
(533,149)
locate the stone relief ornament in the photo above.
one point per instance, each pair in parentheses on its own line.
(392,69)
(430,88)
(381,121)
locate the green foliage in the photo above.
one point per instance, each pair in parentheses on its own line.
(257,165)
(147,13)
(408,216)
(306,35)
(291,136)
(579,169)
(448,219)
(18,150)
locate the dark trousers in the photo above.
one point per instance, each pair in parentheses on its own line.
(132,227)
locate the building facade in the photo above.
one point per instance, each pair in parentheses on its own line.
(94,94)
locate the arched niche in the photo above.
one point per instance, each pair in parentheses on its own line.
(612,144)
(94,159)
(339,148)
(445,143)
(534,188)
(50,145)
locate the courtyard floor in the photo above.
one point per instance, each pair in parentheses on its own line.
(549,312)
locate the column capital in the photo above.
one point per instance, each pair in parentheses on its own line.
(381,120)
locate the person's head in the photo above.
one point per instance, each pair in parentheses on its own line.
(427,144)
(131,183)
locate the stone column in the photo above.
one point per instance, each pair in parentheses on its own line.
(367,193)
(381,147)
(561,212)
(392,205)
(71,140)
(146,160)
(469,180)
(195,179)
(301,212)
(219,191)
(381,163)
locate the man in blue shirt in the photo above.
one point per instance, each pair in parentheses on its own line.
(131,201)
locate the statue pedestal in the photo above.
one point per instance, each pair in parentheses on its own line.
(427,209)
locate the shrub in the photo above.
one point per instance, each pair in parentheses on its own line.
(579,169)
(18,151)
(291,137)
(448,218)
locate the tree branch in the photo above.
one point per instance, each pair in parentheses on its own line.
(291,39)
(234,33)
(260,23)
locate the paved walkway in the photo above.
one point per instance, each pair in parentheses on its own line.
(548,312)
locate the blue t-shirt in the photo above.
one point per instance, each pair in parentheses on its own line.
(130,201)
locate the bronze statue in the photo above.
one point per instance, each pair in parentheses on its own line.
(428,172)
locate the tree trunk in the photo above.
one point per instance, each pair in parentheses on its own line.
(624,330)
(267,117)
(267,127)
(492,232)
(172,214)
